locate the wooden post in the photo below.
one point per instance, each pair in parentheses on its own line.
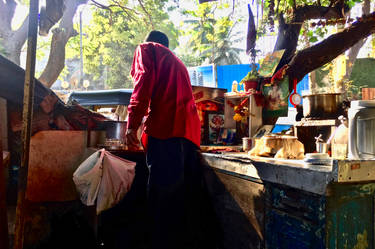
(28,99)
(4,239)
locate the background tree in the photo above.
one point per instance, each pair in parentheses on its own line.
(12,39)
(211,35)
(292,15)
(113,34)
(312,35)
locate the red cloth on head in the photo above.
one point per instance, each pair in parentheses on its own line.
(163,93)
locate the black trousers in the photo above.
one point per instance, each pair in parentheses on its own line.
(177,202)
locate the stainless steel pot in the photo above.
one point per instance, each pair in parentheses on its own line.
(115,129)
(327,105)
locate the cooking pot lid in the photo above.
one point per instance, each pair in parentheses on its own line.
(362,103)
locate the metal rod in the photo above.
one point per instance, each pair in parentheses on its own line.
(4,239)
(80,50)
(28,100)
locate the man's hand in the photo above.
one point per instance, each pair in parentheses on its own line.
(132,139)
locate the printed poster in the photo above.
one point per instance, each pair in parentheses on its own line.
(269,64)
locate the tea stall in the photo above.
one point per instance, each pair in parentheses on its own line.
(311,186)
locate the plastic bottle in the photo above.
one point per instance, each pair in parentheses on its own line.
(234,86)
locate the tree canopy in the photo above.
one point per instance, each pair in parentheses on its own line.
(295,17)
(112,36)
(114,32)
(211,36)
(118,26)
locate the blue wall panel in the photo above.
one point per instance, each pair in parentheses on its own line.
(228,73)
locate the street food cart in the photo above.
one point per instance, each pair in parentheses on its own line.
(281,196)
(259,202)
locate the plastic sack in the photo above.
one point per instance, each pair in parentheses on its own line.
(118,176)
(103,178)
(87,178)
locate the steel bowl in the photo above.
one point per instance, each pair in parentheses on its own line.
(115,130)
(327,105)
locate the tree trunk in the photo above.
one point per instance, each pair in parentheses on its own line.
(50,15)
(12,40)
(56,60)
(61,35)
(316,56)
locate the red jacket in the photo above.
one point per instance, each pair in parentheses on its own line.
(162,89)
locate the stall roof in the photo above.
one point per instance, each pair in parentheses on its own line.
(12,79)
(101,97)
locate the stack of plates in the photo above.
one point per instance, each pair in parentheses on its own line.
(317,159)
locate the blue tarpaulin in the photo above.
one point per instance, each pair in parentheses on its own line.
(228,73)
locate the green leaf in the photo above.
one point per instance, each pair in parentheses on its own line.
(313,39)
(210,37)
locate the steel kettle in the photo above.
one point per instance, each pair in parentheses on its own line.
(361,139)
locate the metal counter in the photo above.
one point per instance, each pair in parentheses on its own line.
(279,204)
(293,173)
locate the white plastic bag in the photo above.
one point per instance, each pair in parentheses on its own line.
(87,178)
(104,178)
(118,176)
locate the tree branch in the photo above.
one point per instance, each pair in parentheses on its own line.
(316,56)
(10,7)
(128,11)
(105,7)
(124,8)
(13,41)
(50,15)
(61,35)
(366,7)
(289,32)
(5,18)
(67,18)
(277,7)
(102,6)
(20,35)
(148,14)
(314,12)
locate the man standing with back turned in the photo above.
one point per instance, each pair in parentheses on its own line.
(163,93)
